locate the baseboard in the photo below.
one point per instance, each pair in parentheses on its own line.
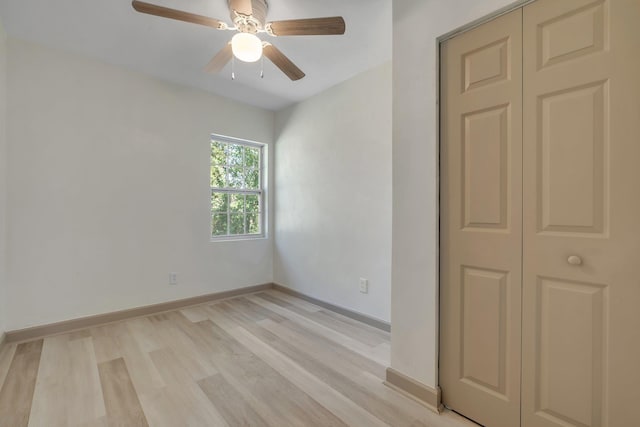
(428,396)
(66,326)
(371,321)
(116,316)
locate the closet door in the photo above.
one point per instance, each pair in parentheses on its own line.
(581,271)
(481,222)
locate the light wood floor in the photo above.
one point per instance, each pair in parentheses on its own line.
(266,359)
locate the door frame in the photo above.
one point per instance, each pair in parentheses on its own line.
(518,4)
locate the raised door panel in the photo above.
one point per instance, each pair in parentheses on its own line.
(486,168)
(580,31)
(481,152)
(572,159)
(571,325)
(486,65)
(483,332)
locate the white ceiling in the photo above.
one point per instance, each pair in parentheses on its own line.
(111,31)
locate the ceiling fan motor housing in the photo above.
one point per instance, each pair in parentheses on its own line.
(250,23)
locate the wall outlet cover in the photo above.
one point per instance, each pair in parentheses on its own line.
(364,286)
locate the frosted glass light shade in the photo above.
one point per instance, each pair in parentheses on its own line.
(246,47)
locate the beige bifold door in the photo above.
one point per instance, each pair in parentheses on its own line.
(540,217)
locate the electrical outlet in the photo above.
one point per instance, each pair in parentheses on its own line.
(173,278)
(364,286)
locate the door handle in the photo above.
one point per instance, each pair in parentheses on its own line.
(574,260)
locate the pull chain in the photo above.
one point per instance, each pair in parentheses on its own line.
(233,67)
(262,67)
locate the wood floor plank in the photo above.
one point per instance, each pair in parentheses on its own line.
(352,328)
(260,383)
(323,347)
(158,318)
(176,319)
(105,344)
(68,390)
(170,367)
(253,311)
(100,422)
(348,378)
(145,334)
(365,333)
(16,395)
(190,355)
(76,335)
(182,404)
(30,347)
(294,300)
(6,356)
(309,306)
(120,397)
(144,375)
(194,314)
(87,401)
(355,345)
(51,385)
(230,402)
(339,405)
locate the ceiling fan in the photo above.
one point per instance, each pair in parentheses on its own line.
(248,17)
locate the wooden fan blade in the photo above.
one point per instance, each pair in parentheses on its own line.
(308,27)
(221,59)
(282,62)
(241,6)
(180,15)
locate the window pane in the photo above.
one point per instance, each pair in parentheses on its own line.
(218,176)
(219,225)
(253,223)
(234,154)
(219,202)
(252,179)
(236,203)
(252,204)
(251,158)
(237,224)
(218,156)
(236,178)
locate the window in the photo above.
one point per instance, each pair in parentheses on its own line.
(237,196)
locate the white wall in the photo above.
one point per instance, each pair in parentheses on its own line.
(108,189)
(414,312)
(3,178)
(333,194)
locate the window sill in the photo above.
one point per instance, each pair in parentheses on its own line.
(237,239)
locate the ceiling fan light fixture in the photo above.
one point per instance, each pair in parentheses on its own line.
(246,47)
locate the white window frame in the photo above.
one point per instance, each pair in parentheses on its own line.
(260,192)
